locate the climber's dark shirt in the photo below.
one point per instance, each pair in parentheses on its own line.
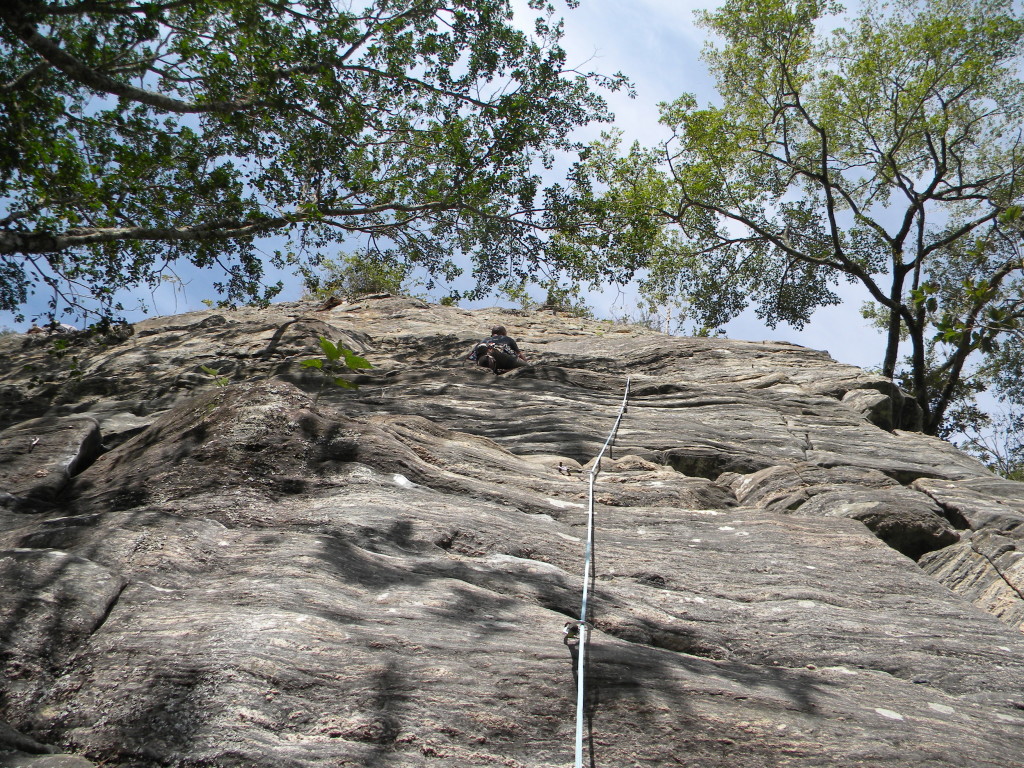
(503,340)
(496,340)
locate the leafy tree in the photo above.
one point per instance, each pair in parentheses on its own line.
(887,152)
(998,440)
(355,274)
(136,134)
(566,299)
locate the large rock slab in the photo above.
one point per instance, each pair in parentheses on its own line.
(39,457)
(785,487)
(51,604)
(985,503)
(907,521)
(255,576)
(988,569)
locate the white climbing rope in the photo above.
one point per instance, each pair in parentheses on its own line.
(583,627)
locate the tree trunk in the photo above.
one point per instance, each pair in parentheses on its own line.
(919,371)
(892,344)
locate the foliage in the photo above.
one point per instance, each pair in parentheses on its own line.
(518,293)
(137,136)
(644,316)
(564,299)
(354,275)
(886,152)
(998,441)
(214,374)
(60,350)
(336,360)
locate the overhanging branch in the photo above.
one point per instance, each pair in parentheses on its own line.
(18,242)
(81,72)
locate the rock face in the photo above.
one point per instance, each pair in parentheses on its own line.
(280,573)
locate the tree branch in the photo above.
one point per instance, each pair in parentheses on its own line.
(100,8)
(24,77)
(80,72)
(15,242)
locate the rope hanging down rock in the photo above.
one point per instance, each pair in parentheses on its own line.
(582,627)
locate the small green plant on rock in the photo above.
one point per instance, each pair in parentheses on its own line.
(59,351)
(336,360)
(566,300)
(214,374)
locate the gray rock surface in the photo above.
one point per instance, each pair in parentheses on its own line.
(39,456)
(901,518)
(988,566)
(988,569)
(251,576)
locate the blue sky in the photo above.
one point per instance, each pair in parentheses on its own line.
(657,45)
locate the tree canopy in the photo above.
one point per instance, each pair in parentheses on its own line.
(135,135)
(887,151)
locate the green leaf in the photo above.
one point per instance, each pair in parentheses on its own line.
(354,361)
(1010,214)
(332,352)
(345,384)
(319,364)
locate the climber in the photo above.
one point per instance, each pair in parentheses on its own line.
(500,352)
